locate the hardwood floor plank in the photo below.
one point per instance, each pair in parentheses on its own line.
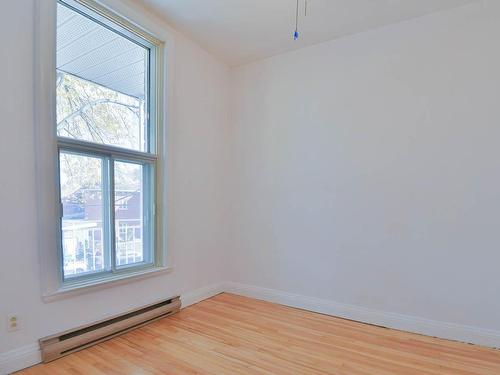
(230,334)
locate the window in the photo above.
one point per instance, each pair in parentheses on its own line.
(107,126)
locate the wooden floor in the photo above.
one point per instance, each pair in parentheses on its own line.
(228,334)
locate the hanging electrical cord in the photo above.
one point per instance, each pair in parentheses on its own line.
(296,34)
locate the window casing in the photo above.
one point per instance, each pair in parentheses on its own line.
(109,190)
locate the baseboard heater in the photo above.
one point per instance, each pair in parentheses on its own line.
(56,346)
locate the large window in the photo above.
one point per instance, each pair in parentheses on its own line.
(107,127)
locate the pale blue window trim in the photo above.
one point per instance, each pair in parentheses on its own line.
(157,261)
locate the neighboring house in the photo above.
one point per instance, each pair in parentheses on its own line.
(82,229)
(85,204)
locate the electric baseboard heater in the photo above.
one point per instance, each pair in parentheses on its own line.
(56,346)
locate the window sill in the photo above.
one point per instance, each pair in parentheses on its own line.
(71,290)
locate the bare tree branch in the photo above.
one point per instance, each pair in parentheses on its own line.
(91,104)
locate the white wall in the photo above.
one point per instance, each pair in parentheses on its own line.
(196,140)
(368,169)
(363,171)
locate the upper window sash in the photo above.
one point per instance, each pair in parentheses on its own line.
(125,72)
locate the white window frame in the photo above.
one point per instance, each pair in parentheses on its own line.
(48,145)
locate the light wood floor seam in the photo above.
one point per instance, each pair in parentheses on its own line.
(230,334)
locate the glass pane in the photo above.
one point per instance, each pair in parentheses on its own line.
(129,217)
(82,222)
(101,83)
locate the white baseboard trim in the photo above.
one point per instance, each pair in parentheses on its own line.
(445,330)
(20,358)
(27,356)
(198,295)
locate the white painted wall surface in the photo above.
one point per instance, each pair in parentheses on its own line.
(363,171)
(368,169)
(197,159)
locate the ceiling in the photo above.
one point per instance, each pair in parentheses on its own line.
(241,31)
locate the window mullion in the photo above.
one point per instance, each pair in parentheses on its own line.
(148,212)
(111,205)
(104,150)
(107,227)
